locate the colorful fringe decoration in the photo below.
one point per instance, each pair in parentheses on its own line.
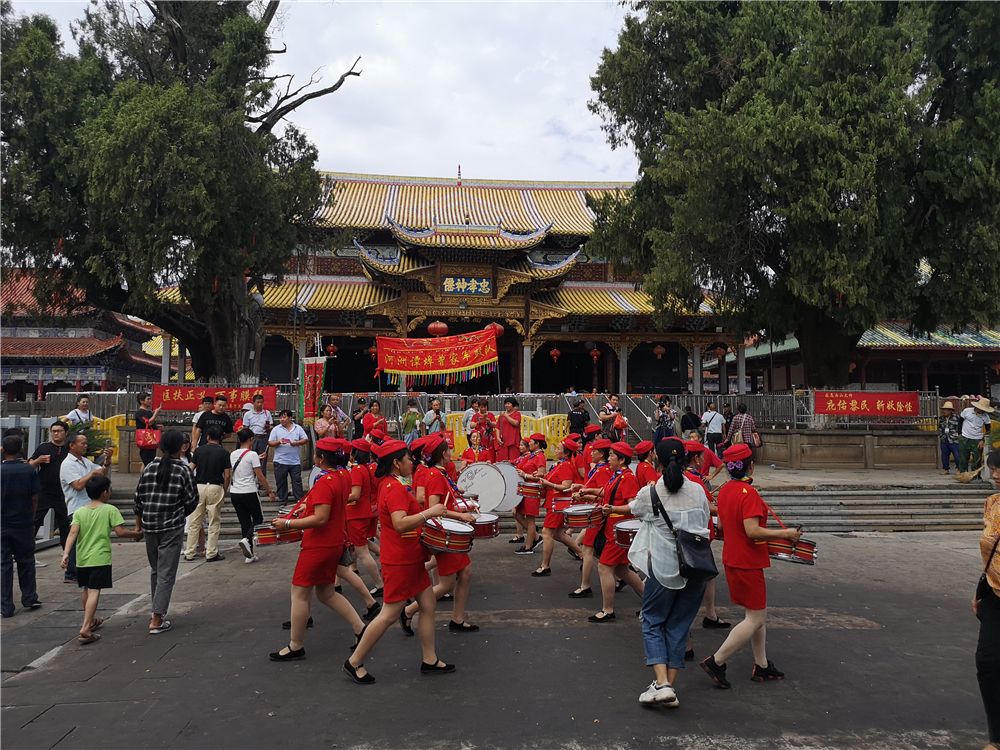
(438,361)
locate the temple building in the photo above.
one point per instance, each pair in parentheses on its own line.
(466,253)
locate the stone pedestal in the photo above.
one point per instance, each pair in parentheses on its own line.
(849,449)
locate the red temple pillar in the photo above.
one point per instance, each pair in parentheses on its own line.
(104,385)
(79,386)
(41,390)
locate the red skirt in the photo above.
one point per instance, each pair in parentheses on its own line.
(590,535)
(747,587)
(372,527)
(451,562)
(613,554)
(404,582)
(317,566)
(357,531)
(529,506)
(553,520)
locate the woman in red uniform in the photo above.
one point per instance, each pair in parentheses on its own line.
(645,472)
(402,562)
(454,568)
(744,555)
(694,461)
(359,512)
(620,490)
(324,534)
(581,466)
(592,492)
(475,452)
(373,532)
(418,481)
(522,453)
(557,483)
(590,433)
(531,469)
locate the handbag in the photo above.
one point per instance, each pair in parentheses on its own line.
(694,551)
(348,557)
(983,588)
(146,438)
(620,423)
(756,440)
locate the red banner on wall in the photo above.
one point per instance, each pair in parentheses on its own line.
(867,404)
(188,398)
(444,360)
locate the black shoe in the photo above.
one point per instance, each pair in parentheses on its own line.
(586,593)
(762,674)
(689,655)
(608,617)
(377,592)
(435,669)
(716,671)
(538,540)
(516,540)
(288,625)
(373,611)
(716,623)
(358,637)
(524,551)
(353,672)
(290,656)
(574,555)
(620,585)
(541,572)
(217,558)
(446,598)
(405,622)
(33,605)
(462,627)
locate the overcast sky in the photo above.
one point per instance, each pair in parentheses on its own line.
(498,87)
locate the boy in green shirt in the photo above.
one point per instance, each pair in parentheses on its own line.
(91,533)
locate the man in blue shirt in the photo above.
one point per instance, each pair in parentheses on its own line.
(19,489)
(286,438)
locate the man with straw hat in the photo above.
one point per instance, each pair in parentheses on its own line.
(949,429)
(975,423)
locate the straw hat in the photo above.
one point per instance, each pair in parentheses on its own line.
(983,404)
(948,405)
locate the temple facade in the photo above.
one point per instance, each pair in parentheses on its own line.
(415,251)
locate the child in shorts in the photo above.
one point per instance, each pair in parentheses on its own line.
(90,532)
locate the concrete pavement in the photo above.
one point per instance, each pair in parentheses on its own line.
(877,641)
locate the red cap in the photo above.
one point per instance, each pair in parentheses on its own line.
(602,445)
(645,446)
(693,446)
(389,447)
(590,429)
(537,437)
(331,444)
(573,436)
(377,434)
(622,447)
(418,444)
(571,445)
(431,442)
(362,445)
(737,452)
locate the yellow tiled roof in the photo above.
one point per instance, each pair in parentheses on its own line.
(327,294)
(404,263)
(602,300)
(368,201)
(546,271)
(154,347)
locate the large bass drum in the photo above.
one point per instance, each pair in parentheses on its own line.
(496,485)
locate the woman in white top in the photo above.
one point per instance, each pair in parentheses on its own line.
(243,490)
(669,602)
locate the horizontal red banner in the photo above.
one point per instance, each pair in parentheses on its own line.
(188,398)
(448,354)
(868,404)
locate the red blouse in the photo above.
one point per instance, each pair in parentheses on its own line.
(396,548)
(328,490)
(361,508)
(738,501)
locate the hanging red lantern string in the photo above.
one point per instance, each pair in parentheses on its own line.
(438,328)
(331,350)
(555,354)
(659,351)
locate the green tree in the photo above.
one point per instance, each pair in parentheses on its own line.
(152,158)
(794,158)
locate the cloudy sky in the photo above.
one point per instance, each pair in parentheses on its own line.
(498,87)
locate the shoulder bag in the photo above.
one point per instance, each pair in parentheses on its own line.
(601,538)
(145,437)
(983,588)
(694,551)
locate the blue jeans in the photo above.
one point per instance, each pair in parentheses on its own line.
(667,615)
(410,437)
(949,450)
(17,545)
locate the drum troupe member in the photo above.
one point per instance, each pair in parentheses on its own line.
(509,431)
(531,469)
(669,601)
(645,472)
(403,559)
(475,452)
(523,453)
(695,454)
(592,492)
(557,484)
(324,525)
(359,511)
(744,555)
(454,569)
(613,562)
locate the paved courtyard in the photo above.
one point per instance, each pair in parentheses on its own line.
(877,641)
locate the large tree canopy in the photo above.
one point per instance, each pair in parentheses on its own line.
(151,158)
(813,167)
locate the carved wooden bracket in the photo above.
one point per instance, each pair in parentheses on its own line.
(516,325)
(415,322)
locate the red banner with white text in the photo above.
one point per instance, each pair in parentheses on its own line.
(438,361)
(188,398)
(867,404)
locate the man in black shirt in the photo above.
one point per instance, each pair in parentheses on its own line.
(579,417)
(357,416)
(689,421)
(48,458)
(215,418)
(212,472)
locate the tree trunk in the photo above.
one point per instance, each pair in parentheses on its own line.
(230,351)
(827,350)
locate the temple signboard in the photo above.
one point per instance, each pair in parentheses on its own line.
(465,285)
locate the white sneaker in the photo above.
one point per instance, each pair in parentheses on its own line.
(245,548)
(40,564)
(659,694)
(251,559)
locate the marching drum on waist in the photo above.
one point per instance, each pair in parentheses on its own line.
(584,516)
(487,526)
(625,532)
(802,552)
(447,535)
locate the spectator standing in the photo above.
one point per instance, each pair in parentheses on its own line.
(164,497)
(509,431)
(206,405)
(607,416)
(986,607)
(82,411)
(145,419)
(19,491)
(374,420)
(744,429)
(246,474)
(326,424)
(729,415)
(949,430)
(47,459)
(434,419)
(578,417)
(286,438)
(689,421)
(411,422)
(666,421)
(212,471)
(712,465)
(90,539)
(217,417)
(975,421)
(259,421)
(340,418)
(485,422)
(358,417)
(74,472)
(715,428)
(468,416)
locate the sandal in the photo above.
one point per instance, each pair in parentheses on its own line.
(581,593)
(98,621)
(85,639)
(574,555)
(372,612)
(164,627)
(541,572)
(446,598)
(405,622)
(620,585)
(376,592)
(353,672)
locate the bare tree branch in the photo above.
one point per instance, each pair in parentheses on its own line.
(279,111)
(278,51)
(270,12)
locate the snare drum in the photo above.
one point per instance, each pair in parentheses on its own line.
(802,552)
(290,535)
(585,516)
(265,534)
(289,511)
(487,526)
(446,535)
(560,504)
(531,489)
(625,532)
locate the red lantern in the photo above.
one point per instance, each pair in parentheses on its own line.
(596,354)
(437,328)
(331,350)
(498,328)
(373,350)
(659,351)
(555,354)
(720,352)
